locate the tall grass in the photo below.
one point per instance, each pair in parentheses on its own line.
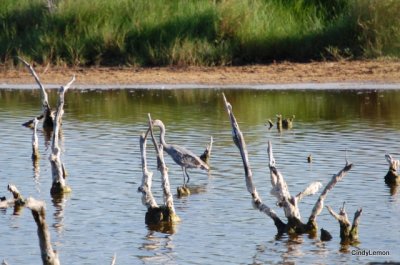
(196,32)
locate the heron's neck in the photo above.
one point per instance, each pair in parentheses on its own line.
(162,136)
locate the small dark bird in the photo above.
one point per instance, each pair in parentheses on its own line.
(181,156)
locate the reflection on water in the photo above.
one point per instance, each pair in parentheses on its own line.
(159,247)
(104,214)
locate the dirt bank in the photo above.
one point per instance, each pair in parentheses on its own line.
(278,73)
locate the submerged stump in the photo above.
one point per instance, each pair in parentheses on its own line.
(392,177)
(348,231)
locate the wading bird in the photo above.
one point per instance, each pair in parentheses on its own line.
(183,157)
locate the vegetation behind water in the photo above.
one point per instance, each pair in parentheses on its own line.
(196,32)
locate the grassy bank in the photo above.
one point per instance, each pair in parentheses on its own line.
(198,32)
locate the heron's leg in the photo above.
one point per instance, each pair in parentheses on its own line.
(184,176)
(187,175)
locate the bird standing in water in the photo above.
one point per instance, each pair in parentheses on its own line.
(181,156)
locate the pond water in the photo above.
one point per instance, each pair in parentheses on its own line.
(103,215)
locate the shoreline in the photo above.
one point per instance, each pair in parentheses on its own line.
(285,75)
(285,86)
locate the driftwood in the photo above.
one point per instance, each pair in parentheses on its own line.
(157,217)
(49,256)
(280,189)
(348,232)
(46,109)
(59,185)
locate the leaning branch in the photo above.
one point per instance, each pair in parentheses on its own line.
(49,256)
(46,110)
(45,99)
(319,205)
(240,143)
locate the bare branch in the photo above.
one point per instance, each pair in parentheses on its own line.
(35,140)
(319,205)
(15,192)
(168,199)
(357,215)
(49,256)
(240,143)
(57,167)
(341,217)
(147,196)
(45,100)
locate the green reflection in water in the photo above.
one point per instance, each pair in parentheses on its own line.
(252,106)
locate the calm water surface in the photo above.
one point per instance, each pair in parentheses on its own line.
(104,214)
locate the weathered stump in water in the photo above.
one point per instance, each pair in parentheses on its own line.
(348,232)
(280,189)
(59,185)
(392,177)
(157,217)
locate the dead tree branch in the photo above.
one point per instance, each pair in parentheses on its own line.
(256,200)
(46,110)
(319,205)
(57,168)
(147,196)
(35,141)
(280,188)
(168,200)
(49,256)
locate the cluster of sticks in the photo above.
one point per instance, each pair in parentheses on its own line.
(52,122)
(159,217)
(294,225)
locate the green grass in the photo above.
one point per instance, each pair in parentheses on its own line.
(196,32)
